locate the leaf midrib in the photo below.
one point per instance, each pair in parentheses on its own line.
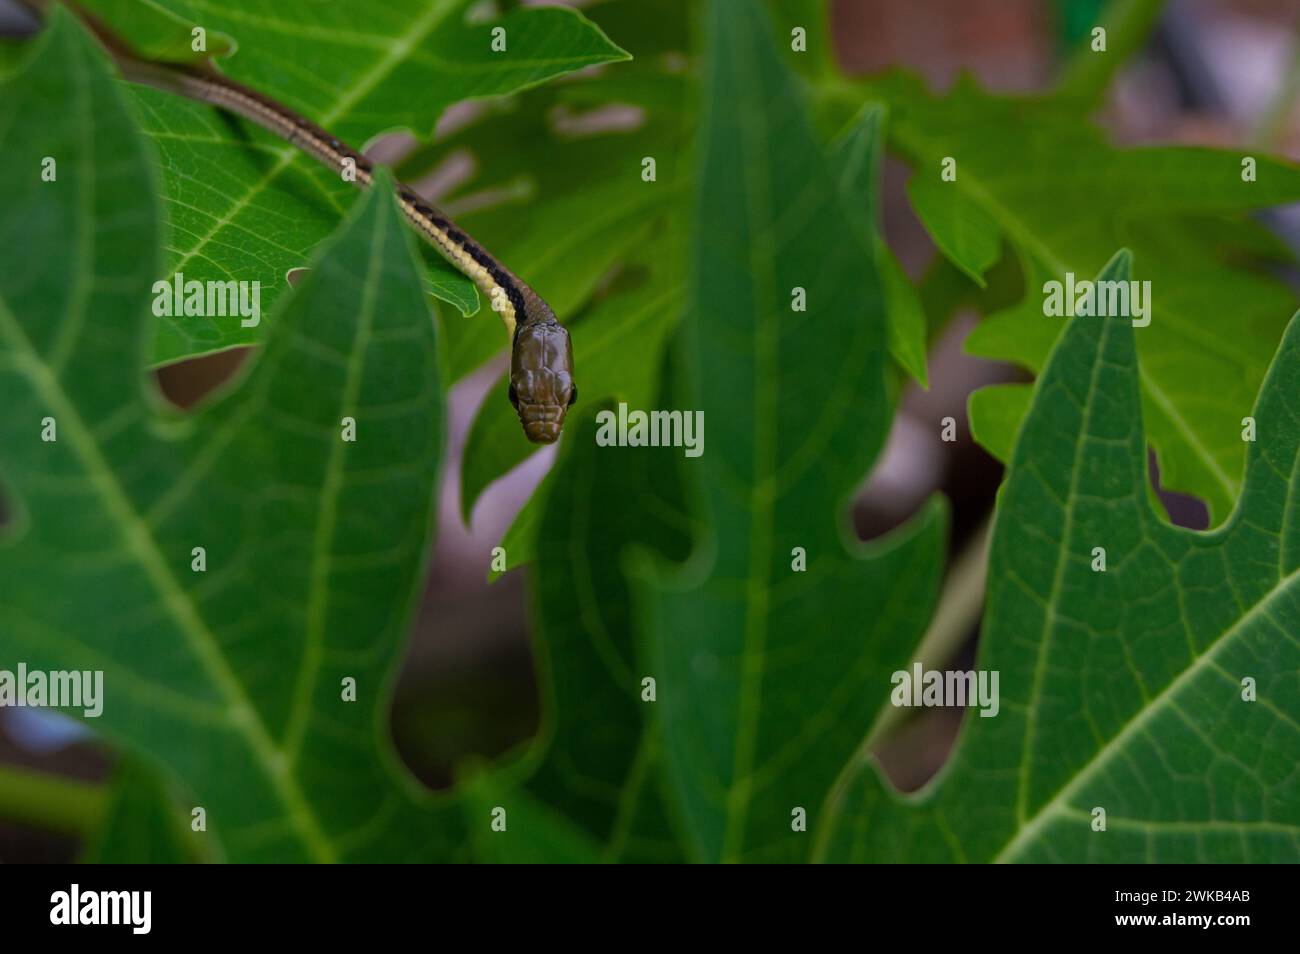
(327,517)
(1050,618)
(762,497)
(137,535)
(1059,802)
(139,539)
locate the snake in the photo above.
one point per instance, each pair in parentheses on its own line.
(541,385)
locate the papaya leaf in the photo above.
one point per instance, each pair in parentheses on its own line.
(1148,693)
(960,227)
(160,33)
(1064,199)
(995,415)
(243,204)
(858,154)
(595,768)
(769,646)
(234,573)
(142,823)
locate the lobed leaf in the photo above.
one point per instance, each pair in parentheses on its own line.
(1031,172)
(1124,689)
(230,671)
(769,675)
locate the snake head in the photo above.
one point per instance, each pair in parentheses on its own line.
(541,379)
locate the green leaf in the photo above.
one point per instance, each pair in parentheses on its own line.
(1064,199)
(596,761)
(961,229)
(1123,689)
(275,231)
(231,673)
(545,159)
(243,204)
(817,61)
(769,677)
(857,155)
(533,834)
(995,415)
(1020,333)
(367,60)
(157,32)
(143,824)
(1089,72)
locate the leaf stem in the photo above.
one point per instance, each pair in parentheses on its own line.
(51,802)
(1088,74)
(960,604)
(959,607)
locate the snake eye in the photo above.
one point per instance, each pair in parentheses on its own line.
(514,397)
(573,396)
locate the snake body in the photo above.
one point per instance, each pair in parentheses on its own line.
(541,357)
